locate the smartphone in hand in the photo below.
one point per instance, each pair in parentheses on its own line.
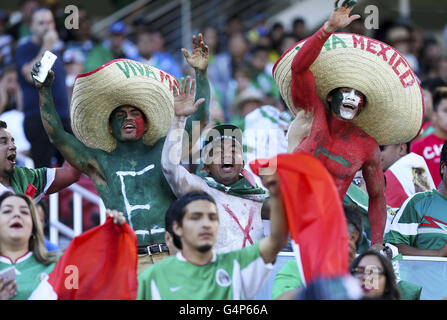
(46,63)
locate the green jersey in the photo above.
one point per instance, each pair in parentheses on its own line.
(41,179)
(421,222)
(234,275)
(288,278)
(28,273)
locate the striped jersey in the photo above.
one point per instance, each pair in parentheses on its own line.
(421,222)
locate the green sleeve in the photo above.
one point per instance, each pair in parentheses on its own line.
(288,278)
(24,176)
(203,91)
(404,227)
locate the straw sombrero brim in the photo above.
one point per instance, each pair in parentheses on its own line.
(394,108)
(121,82)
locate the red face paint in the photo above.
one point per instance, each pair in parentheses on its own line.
(139,122)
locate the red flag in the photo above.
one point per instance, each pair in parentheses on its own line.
(100,264)
(315,215)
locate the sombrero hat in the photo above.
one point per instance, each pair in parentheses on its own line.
(394,108)
(121,82)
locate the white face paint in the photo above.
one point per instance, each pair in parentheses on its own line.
(351,103)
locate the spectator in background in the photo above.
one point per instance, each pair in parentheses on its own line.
(7,43)
(427,126)
(288,280)
(21,23)
(43,214)
(431,58)
(399,37)
(299,29)
(406,173)
(211,38)
(44,37)
(222,71)
(376,275)
(195,229)
(418,228)
(287,41)
(74,61)
(430,146)
(83,40)
(357,27)
(11,110)
(261,73)
(246,101)
(117,46)
(150,45)
(276,34)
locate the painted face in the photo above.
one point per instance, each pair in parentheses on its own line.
(347,103)
(199,226)
(127,123)
(370,273)
(16,223)
(225,162)
(8,153)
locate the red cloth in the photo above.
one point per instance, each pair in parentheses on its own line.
(105,258)
(395,194)
(430,149)
(314,213)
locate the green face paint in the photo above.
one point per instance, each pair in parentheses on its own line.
(117,124)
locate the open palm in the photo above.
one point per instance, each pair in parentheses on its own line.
(199,57)
(184,97)
(340,16)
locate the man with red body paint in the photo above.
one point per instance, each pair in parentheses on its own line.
(341,146)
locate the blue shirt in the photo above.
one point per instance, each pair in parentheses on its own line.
(31,106)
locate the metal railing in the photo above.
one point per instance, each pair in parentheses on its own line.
(56,226)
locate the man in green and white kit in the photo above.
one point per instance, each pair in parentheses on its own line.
(420,226)
(35,182)
(197,272)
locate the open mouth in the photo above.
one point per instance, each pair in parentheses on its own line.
(349,106)
(16,225)
(129,126)
(12,158)
(227,167)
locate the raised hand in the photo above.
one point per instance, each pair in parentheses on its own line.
(184,97)
(199,57)
(340,16)
(48,81)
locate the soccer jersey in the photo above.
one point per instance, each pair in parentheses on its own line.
(41,179)
(288,278)
(430,148)
(28,273)
(234,275)
(421,222)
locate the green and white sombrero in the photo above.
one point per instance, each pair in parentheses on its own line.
(121,82)
(394,108)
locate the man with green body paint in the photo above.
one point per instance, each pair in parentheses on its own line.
(129,177)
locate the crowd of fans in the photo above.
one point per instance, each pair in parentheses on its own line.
(241,60)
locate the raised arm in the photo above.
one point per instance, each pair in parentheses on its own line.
(375,185)
(199,61)
(180,180)
(65,176)
(73,150)
(277,240)
(304,93)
